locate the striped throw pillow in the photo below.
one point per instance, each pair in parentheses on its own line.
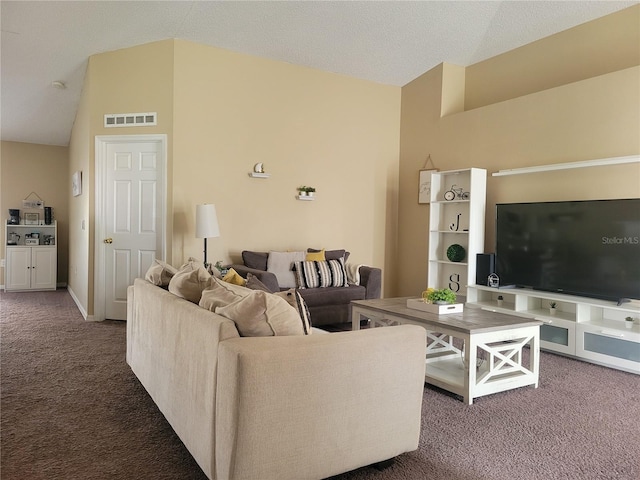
(318,274)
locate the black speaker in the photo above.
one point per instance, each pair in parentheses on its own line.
(48,215)
(485,266)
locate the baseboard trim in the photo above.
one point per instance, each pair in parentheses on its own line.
(83,312)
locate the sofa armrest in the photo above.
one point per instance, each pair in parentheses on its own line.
(318,405)
(371,279)
(268,278)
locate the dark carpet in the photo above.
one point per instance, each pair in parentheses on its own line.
(72,409)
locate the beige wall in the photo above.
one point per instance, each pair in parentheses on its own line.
(42,169)
(137,79)
(80,156)
(597,117)
(606,45)
(224,112)
(309,127)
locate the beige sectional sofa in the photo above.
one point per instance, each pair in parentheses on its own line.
(284,407)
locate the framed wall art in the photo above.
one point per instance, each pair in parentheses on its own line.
(424,192)
(31,219)
(76,183)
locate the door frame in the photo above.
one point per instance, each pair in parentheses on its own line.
(99,268)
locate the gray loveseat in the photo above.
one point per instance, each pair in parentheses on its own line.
(327,305)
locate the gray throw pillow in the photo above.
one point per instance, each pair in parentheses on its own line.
(332,254)
(254,283)
(257,260)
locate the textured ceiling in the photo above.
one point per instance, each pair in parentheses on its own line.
(390,42)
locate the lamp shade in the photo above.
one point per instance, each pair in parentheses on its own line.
(206,221)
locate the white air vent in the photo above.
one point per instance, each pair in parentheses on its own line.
(130,119)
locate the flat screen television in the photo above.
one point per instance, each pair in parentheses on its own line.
(587,248)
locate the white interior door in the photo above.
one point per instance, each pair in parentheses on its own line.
(132,219)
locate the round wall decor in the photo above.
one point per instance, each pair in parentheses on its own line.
(456,253)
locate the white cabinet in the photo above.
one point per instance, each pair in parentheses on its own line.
(456,218)
(31,267)
(587,328)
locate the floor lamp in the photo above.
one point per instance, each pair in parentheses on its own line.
(206,225)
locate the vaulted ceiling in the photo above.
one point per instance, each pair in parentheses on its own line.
(390,42)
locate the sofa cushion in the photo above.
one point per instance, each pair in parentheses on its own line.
(281,265)
(220,294)
(320,297)
(160,273)
(262,314)
(234,277)
(257,260)
(330,273)
(293,297)
(190,281)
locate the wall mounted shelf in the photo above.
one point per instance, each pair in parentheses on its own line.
(305,197)
(259,175)
(565,166)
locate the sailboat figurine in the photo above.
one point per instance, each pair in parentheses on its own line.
(258,171)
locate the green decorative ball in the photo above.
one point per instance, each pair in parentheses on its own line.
(456,253)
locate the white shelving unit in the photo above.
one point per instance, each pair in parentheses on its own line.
(457,221)
(586,328)
(31,267)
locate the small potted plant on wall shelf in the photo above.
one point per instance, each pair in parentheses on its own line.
(552,308)
(628,322)
(306,193)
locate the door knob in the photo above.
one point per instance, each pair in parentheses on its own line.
(108,240)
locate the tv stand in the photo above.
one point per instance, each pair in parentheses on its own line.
(585,328)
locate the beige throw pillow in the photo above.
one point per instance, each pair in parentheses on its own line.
(190,281)
(160,273)
(262,314)
(220,294)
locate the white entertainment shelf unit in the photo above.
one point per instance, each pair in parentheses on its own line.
(589,329)
(456,217)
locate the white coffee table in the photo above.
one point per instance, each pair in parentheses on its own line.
(491,342)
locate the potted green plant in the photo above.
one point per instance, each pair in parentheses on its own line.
(302,191)
(222,269)
(628,322)
(310,191)
(552,308)
(440,297)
